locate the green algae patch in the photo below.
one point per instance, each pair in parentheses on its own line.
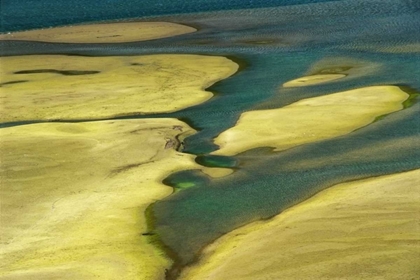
(185,179)
(413,96)
(358,230)
(57,87)
(117,32)
(310,120)
(185,185)
(216,161)
(74,196)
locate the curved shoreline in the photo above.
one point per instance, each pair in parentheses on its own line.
(324,225)
(76,192)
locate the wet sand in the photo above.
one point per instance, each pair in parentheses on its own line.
(74,197)
(76,87)
(310,120)
(116,32)
(367,229)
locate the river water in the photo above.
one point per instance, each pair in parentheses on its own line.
(274,45)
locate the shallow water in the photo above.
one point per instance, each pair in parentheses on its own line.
(274,45)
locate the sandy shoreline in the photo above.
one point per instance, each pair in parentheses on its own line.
(366,229)
(310,120)
(77,87)
(116,32)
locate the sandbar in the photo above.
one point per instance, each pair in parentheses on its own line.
(73,197)
(367,229)
(313,80)
(310,120)
(50,87)
(116,32)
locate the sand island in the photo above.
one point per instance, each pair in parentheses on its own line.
(78,87)
(310,120)
(114,32)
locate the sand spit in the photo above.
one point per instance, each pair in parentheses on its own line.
(310,120)
(366,229)
(76,87)
(117,32)
(73,198)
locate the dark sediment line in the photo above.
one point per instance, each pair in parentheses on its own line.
(54,71)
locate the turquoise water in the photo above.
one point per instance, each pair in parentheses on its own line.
(274,45)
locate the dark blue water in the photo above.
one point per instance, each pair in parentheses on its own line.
(30,14)
(274,45)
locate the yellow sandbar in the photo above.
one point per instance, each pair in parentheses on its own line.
(45,87)
(313,80)
(116,32)
(73,198)
(365,229)
(310,120)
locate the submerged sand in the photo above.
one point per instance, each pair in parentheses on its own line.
(313,80)
(74,195)
(310,120)
(48,87)
(329,69)
(392,48)
(116,32)
(366,229)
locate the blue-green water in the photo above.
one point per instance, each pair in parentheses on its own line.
(274,45)
(29,14)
